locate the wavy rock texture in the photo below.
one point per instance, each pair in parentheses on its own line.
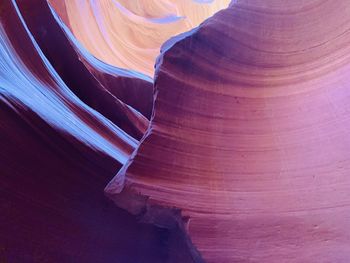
(238,152)
(249,137)
(67,124)
(128,34)
(115,93)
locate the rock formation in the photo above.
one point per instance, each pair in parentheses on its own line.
(59,150)
(249,137)
(236,151)
(128,34)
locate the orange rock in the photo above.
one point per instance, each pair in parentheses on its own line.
(128,34)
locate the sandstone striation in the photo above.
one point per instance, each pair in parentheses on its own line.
(249,134)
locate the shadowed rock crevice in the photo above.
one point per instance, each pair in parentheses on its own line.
(57,155)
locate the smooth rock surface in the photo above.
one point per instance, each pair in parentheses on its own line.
(57,153)
(250,134)
(129,34)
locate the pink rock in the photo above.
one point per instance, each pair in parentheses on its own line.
(249,138)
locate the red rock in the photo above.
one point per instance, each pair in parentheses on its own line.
(129,34)
(249,138)
(56,156)
(119,98)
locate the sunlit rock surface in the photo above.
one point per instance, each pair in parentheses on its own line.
(128,34)
(111,91)
(67,124)
(250,135)
(238,151)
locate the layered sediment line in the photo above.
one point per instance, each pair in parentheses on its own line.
(128,34)
(60,145)
(249,134)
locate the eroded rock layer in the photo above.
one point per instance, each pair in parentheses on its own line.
(123,97)
(66,126)
(128,34)
(249,137)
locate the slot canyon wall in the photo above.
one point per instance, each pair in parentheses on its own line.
(231,145)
